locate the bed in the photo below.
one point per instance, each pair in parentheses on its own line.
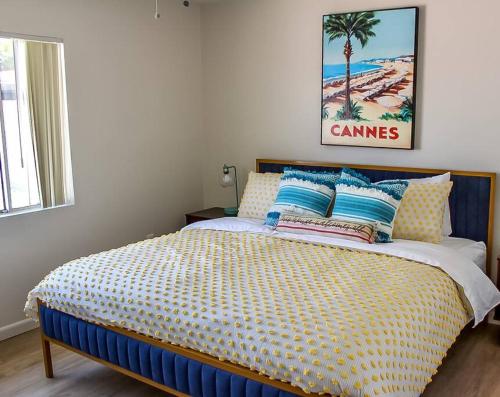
(236,319)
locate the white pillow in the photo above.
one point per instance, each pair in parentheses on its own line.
(259,195)
(447,230)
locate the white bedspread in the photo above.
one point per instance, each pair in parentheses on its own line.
(479,290)
(326,315)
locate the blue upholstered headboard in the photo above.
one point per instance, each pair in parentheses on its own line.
(471,200)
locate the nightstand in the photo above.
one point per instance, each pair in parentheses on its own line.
(203,215)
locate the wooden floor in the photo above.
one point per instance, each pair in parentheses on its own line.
(472,369)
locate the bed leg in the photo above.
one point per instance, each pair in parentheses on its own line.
(47,357)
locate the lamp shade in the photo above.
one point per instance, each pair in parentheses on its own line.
(227,180)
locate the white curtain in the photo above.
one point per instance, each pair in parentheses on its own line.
(47,103)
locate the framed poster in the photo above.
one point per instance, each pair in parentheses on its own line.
(369,78)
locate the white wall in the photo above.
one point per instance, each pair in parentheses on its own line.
(134,102)
(262,76)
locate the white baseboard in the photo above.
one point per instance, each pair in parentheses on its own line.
(18,328)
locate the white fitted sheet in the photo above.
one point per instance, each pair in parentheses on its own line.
(473,250)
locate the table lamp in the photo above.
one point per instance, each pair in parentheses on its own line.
(227,181)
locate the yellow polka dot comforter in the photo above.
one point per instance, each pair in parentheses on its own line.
(324,318)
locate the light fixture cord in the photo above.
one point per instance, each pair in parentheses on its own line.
(236,183)
(157,14)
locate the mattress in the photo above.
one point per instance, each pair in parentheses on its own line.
(328,317)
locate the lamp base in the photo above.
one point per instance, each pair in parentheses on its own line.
(231,211)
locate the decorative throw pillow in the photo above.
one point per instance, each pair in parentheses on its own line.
(420,215)
(328,227)
(359,200)
(447,229)
(303,193)
(259,195)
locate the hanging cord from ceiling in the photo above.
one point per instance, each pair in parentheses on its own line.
(185,3)
(157,12)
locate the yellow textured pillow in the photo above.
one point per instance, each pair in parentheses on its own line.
(420,215)
(260,192)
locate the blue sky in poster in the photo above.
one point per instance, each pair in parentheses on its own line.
(394,37)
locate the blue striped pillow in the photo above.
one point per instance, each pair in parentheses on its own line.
(357,199)
(303,193)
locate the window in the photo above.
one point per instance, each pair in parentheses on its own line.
(35,165)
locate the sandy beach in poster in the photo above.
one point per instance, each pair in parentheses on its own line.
(377,92)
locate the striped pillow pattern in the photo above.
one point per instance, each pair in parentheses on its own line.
(359,200)
(328,227)
(303,193)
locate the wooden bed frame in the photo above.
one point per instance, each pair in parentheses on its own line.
(183,351)
(227,366)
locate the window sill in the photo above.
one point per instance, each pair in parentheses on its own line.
(33,210)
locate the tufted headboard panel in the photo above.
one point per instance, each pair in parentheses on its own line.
(472,198)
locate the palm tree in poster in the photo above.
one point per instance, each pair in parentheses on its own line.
(355,24)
